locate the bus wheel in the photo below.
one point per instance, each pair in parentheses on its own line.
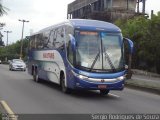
(63,87)
(35,76)
(104,92)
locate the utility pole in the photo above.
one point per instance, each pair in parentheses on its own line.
(152,14)
(7,36)
(138,6)
(127,5)
(23,21)
(144,6)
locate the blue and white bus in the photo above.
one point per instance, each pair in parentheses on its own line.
(79,54)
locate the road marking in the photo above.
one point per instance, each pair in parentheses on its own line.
(8,110)
(114,95)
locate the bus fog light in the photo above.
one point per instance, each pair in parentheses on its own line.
(77,84)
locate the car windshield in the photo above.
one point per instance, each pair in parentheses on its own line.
(17,60)
(99,51)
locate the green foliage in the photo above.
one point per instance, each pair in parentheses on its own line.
(146,37)
(13,51)
(2,12)
(1,43)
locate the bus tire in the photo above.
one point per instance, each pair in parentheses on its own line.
(104,92)
(63,86)
(35,76)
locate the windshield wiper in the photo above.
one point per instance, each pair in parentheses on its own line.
(109,60)
(95,60)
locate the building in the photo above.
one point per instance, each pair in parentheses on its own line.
(106,10)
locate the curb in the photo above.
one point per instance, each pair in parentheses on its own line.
(137,86)
(7,112)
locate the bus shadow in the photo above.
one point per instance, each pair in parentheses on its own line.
(92,94)
(83,94)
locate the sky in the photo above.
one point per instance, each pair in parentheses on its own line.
(41,14)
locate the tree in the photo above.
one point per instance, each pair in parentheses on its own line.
(2,12)
(1,42)
(2,9)
(145,35)
(154,42)
(13,51)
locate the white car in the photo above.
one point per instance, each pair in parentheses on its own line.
(17,64)
(0,62)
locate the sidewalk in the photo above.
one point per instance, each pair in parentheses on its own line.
(146,82)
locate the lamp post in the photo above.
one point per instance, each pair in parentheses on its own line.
(7,36)
(23,21)
(7,43)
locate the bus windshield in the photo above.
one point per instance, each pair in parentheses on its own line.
(99,51)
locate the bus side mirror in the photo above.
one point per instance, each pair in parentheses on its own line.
(73,42)
(130,45)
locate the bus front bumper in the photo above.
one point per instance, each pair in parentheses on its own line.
(98,85)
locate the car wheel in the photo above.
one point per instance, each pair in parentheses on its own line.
(11,69)
(63,86)
(35,76)
(104,92)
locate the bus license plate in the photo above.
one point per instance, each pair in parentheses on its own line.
(102,86)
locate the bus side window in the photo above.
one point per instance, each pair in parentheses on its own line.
(40,41)
(32,42)
(70,53)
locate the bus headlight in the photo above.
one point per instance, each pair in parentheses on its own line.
(82,77)
(121,78)
(79,76)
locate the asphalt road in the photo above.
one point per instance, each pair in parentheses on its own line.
(24,96)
